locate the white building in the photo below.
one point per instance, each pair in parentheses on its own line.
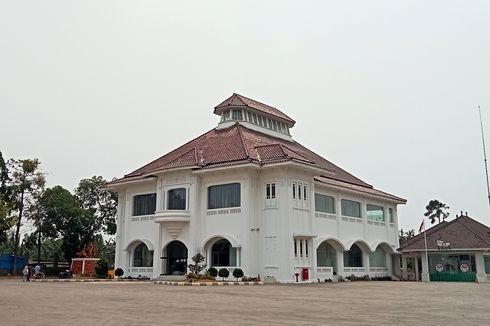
(246,195)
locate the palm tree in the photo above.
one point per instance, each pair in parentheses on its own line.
(436,210)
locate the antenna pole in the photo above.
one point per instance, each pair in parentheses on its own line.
(484,154)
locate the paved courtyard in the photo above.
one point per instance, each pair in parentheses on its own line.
(357,303)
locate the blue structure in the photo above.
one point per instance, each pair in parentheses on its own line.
(7,262)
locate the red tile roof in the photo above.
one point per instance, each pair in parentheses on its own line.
(355,187)
(237,145)
(237,100)
(461,233)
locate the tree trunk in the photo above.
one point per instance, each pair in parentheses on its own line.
(17,231)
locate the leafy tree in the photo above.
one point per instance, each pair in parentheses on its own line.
(223,273)
(80,218)
(25,185)
(436,210)
(102,204)
(197,266)
(6,221)
(404,236)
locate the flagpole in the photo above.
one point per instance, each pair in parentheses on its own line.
(426,255)
(484,153)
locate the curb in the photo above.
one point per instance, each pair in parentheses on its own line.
(207,283)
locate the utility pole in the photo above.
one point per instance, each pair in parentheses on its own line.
(484,154)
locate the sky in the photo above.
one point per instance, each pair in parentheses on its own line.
(388,90)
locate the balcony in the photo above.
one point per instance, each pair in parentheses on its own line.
(172,216)
(172,221)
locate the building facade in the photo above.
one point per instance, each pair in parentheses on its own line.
(246,195)
(457,251)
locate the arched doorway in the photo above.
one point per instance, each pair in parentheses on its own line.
(142,257)
(175,258)
(326,256)
(353,257)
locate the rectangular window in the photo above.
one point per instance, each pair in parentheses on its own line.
(270,190)
(486,261)
(255,118)
(237,115)
(301,248)
(223,196)
(269,123)
(375,213)
(176,199)
(295,248)
(294,190)
(306,248)
(274,123)
(225,116)
(249,115)
(391,214)
(299,191)
(325,204)
(260,121)
(351,208)
(304,192)
(144,204)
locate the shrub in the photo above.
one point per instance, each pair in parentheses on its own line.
(198,264)
(119,272)
(191,276)
(223,272)
(101,269)
(237,273)
(213,272)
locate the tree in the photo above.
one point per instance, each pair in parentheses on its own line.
(79,219)
(63,217)
(25,185)
(101,203)
(197,266)
(6,221)
(404,236)
(436,210)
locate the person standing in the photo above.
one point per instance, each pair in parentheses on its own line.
(37,271)
(25,274)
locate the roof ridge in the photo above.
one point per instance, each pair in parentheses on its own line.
(175,159)
(432,230)
(238,126)
(466,227)
(295,152)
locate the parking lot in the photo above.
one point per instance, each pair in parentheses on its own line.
(355,303)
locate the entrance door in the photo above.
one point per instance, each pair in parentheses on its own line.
(176,259)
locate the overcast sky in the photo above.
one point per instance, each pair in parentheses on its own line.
(388,90)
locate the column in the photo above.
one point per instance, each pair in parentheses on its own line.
(157,253)
(365,261)
(404,268)
(416,268)
(481,276)
(340,262)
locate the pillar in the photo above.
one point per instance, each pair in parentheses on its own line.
(425,269)
(404,268)
(481,276)
(157,253)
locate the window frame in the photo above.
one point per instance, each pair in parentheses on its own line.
(224,184)
(334,208)
(167,198)
(342,211)
(139,195)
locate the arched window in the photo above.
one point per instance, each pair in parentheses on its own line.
(353,257)
(377,258)
(326,256)
(223,254)
(142,257)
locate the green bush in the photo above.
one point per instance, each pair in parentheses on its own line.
(223,273)
(119,272)
(237,273)
(101,269)
(213,272)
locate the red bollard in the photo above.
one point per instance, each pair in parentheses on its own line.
(297,276)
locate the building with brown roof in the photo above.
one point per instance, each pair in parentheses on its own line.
(458,250)
(247,195)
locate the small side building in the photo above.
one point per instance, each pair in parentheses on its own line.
(458,251)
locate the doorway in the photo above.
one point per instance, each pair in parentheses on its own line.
(175,259)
